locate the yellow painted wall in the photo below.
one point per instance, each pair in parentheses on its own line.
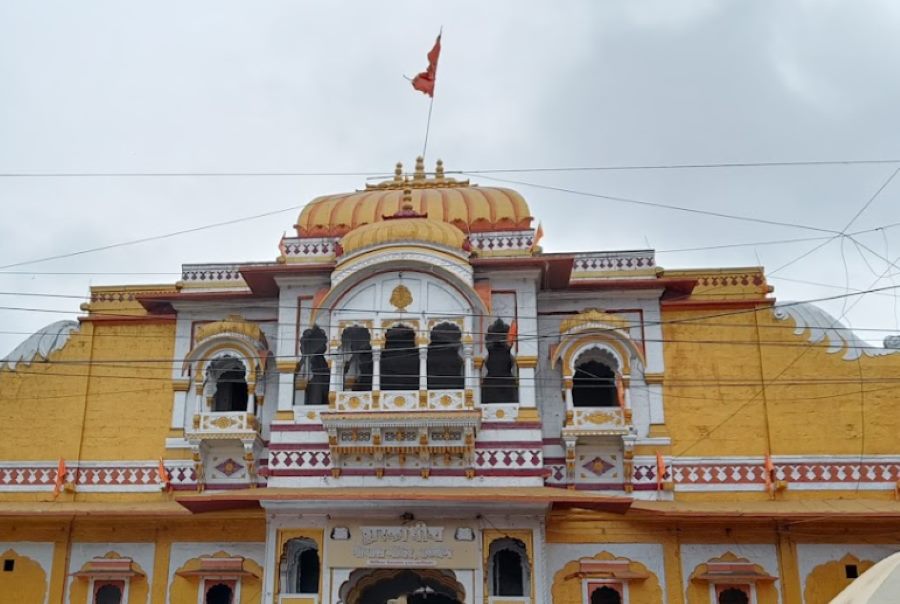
(569,591)
(42,404)
(828,580)
(43,415)
(25,584)
(129,399)
(813,418)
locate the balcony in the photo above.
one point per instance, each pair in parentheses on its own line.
(224,425)
(597,421)
(349,401)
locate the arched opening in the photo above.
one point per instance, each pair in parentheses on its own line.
(445,363)
(108,594)
(356,349)
(606,595)
(499,382)
(400,359)
(219,593)
(313,367)
(733,595)
(509,568)
(300,567)
(408,586)
(230,381)
(594,383)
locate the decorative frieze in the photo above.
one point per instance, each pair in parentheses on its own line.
(212,276)
(639,263)
(502,243)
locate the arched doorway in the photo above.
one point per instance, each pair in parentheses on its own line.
(404,586)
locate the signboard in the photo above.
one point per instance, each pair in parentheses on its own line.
(410,545)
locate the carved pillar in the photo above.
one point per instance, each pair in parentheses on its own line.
(470,381)
(251,398)
(423,374)
(567,396)
(337,367)
(570,442)
(376,374)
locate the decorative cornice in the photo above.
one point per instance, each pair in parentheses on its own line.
(593,315)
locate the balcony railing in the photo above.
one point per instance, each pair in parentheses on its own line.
(599,420)
(224,424)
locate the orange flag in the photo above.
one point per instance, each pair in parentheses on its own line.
(164,478)
(424,82)
(660,471)
(769,473)
(60,477)
(513,334)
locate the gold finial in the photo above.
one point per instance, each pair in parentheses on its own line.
(407,199)
(439,170)
(419,174)
(398,172)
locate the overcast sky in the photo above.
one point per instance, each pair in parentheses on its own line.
(313,87)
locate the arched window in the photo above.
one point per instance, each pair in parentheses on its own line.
(229,379)
(445,364)
(606,595)
(108,594)
(356,349)
(400,360)
(300,567)
(509,568)
(733,595)
(499,382)
(594,383)
(313,367)
(220,594)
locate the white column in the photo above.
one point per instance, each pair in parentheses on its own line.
(337,368)
(469,364)
(376,368)
(423,367)
(178,401)
(285,391)
(526,387)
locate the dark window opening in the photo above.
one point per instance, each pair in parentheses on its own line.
(594,385)
(445,364)
(733,595)
(219,594)
(108,594)
(308,565)
(606,595)
(356,353)
(299,567)
(313,367)
(508,575)
(231,385)
(400,360)
(851,571)
(9,566)
(499,383)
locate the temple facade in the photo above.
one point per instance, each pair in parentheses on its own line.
(415,403)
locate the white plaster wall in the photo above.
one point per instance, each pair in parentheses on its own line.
(811,555)
(650,555)
(141,553)
(40,552)
(182,552)
(764,554)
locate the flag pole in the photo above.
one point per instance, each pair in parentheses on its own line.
(427,127)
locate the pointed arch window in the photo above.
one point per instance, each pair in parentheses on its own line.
(313,366)
(445,362)
(595,382)
(300,569)
(499,382)
(227,377)
(356,350)
(509,568)
(400,359)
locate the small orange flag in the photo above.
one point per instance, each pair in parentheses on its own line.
(538,235)
(60,477)
(424,82)
(164,477)
(769,473)
(660,471)
(513,334)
